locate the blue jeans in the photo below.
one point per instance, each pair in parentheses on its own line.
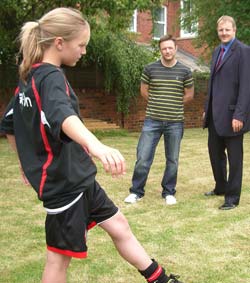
(151,133)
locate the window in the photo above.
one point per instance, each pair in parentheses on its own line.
(160,22)
(186,7)
(133,24)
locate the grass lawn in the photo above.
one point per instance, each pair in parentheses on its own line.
(193,238)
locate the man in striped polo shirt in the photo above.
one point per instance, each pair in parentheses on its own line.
(166,85)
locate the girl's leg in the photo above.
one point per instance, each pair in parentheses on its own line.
(126,243)
(55,268)
(132,251)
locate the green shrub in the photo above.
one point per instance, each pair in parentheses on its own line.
(121,60)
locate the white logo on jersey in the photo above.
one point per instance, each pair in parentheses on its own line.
(23,100)
(44,120)
(10,112)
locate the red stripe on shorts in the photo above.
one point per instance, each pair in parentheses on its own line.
(91,225)
(68,253)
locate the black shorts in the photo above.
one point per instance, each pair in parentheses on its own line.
(66,231)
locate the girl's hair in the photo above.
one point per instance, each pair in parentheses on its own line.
(36,36)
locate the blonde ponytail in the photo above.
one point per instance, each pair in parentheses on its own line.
(30,48)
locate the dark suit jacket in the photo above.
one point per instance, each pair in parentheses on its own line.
(230,87)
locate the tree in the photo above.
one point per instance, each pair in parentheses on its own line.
(111,15)
(206,13)
(121,61)
(110,48)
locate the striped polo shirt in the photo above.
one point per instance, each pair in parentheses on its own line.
(166,90)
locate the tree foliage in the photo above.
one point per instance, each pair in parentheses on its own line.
(206,13)
(109,15)
(120,59)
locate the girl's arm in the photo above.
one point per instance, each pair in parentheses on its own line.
(12,142)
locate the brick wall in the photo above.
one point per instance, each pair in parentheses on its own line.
(194,110)
(172,18)
(144,27)
(193,113)
(100,105)
(96,103)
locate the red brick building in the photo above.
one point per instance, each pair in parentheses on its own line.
(166,21)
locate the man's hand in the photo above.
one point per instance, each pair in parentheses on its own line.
(237,125)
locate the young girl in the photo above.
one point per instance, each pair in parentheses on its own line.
(55,149)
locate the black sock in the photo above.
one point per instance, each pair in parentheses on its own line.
(155,272)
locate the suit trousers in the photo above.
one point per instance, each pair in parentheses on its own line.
(223,149)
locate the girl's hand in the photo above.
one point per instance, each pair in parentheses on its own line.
(112,160)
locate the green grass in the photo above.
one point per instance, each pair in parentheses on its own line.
(193,238)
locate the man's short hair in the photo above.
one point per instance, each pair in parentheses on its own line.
(166,38)
(226,18)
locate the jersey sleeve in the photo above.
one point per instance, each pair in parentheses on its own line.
(56,104)
(7,125)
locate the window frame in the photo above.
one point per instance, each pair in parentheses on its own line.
(133,27)
(184,33)
(164,22)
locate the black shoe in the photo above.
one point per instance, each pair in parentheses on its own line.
(209,194)
(227,206)
(173,279)
(213,193)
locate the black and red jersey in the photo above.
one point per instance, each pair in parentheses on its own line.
(56,167)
